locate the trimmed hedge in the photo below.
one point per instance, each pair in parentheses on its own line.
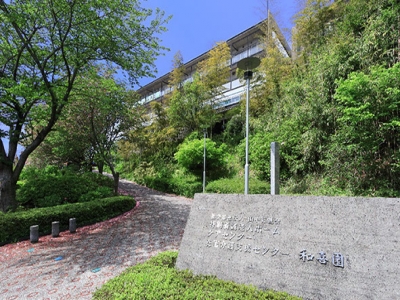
(52,187)
(236,186)
(15,226)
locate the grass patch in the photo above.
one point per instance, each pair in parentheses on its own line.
(158,279)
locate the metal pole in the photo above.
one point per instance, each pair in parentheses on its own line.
(246,167)
(204,162)
(247,64)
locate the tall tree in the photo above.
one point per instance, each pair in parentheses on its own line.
(178,72)
(214,71)
(101,112)
(44,46)
(188,108)
(314,24)
(274,70)
(193,106)
(112,113)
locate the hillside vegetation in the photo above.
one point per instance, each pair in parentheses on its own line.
(333,107)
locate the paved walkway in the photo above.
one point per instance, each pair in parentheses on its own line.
(73,266)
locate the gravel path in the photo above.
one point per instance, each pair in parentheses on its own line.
(73,266)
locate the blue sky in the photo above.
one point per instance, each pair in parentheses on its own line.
(197,25)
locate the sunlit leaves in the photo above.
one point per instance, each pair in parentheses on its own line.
(46,44)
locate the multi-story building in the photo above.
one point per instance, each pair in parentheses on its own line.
(250,42)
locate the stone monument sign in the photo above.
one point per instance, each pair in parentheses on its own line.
(312,247)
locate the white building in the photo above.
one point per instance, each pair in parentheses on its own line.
(245,44)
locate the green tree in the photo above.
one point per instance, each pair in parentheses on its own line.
(44,46)
(275,68)
(193,106)
(112,113)
(214,71)
(314,24)
(349,36)
(364,154)
(178,72)
(188,109)
(100,114)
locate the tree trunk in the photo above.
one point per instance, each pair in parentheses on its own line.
(116,182)
(100,166)
(8,188)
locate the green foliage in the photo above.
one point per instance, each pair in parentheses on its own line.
(185,184)
(191,105)
(314,184)
(52,186)
(45,45)
(364,152)
(158,279)
(314,24)
(15,226)
(327,121)
(236,186)
(188,108)
(155,175)
(234,131)
(98,193)
(163,178)
(333,108)
(260,152)
(190,156)
(99,179)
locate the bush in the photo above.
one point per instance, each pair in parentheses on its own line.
(181,184)
(236,186)
(51,186)
(99,193)
(15,226)
(190,156)
(99,179)
(158,279)
(235,130)
(186,184)
(158,178)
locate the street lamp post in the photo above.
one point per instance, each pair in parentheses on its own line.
(247,64)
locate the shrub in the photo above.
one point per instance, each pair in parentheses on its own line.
(15,226)
(51,186)
(158,279)
(186,184)
(234,131)
(236,186)
(181,184)
(190,156)
(158,178)
(99,179)
(99,193)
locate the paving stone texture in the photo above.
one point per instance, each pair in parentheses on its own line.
(73,266)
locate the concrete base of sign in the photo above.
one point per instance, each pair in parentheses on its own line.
(312,247)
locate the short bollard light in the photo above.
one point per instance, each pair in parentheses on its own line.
(55,229)
(34,233)
(72,225)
